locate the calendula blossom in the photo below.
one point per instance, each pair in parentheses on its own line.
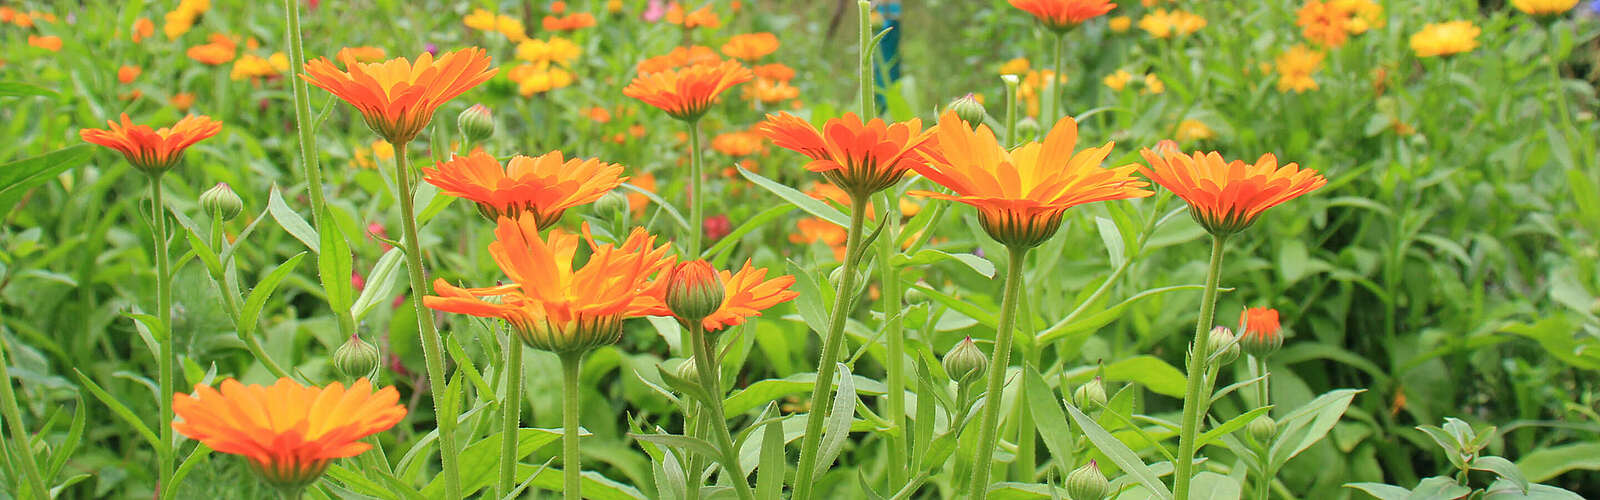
(541,188)
(1295,67)
(397,98)
(153,151)
(1544,7)
(861,158)
(1445,39)
(1063,15)
(1227,197)
(687,93)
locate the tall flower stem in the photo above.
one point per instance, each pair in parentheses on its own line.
(1059,45)
(167,357)
(705,361)
(893,331)
(822,389)
(231,306)
(432,347)
(510,416)
(864,62)
(302,114)
(1199,350)
(695,181)
(571,459)
(983,459)
(19,432)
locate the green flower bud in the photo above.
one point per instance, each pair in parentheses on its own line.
(965,360)
(694,290)
(356,358)
(222,202)
(1262,429)
(1027,129)
(688,371)
(476,123)
(1091,394)
(612,204)
(968,109)
(1087,483)
(1224,345)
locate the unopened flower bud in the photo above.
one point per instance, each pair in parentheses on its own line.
(964,360)
(1262,334)
(1027,129)
(968,109)
(1087,483)
(1262,429)
(476,123)
(1224,346)
(694,290)
(356,358)
(221,202)
(688,371)
(613,203)
(1091,394)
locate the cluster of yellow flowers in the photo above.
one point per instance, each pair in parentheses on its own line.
(1295,67)
(1119,80)
(1162,23)
(182,18)
(556,50)
(255,67)
(546,67)
(483,20)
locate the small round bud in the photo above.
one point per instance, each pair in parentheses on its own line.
(1091,394)
(968,109)
(1262,334)
(356,358)
(694,290)
(1262,429)
(687,370)
(965,360)
(1027,129)
(1224,346)
(915,295)
(613,203)
(221,202)
(1087,483)
(476,123)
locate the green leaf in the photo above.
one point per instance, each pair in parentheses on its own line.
(360,484)
(1546,463)
(121,410)
(19,89)
(263,291)
(685,386)
(479,463)
(199,454)
(335,264)
(929,256)
(1503,468)
(769,475)
(1381,491)
(1119,453)
(1047,415)
(837,429)
(380,283)
(1435,488)
(1507,490)
(1091,323)
(1213,486)
(718,254)
(696,445)
(1149,371)
(805,202)
(769,390)
(672,211)
(292,222)
(1308,424)
(1230,426)
(19,176)
(1111,236)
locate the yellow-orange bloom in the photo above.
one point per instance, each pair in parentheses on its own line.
(183,101)
(775,72)
(1445,39)
(1021,195)
(1015,66)
(251,66)
(813,229)
(1194,130)
(702,17)
(142,29)
(769,91)
(573,22)
(127,74)
(1322,23)
(289,433)
(1226,197)
(48,42)
(1295,67)
(861,158)
(350,56)
(1120,24)
(397,97)
(1544,7)
(555,50)
(736,144)
(751,46)
(554,307)
(540,188)
(681,57)
(746,293)
(687,93)
(1162,23)
(1118,80)
(1063,15)
(153,151)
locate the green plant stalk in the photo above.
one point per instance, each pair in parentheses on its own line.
(1011,112)
(230,305)
(864,62)
(822,389)
(697,227)
(705,361)
(291,494)
(1199,351)
(571,459)
(510,417)
(166,359)
(1261,387)
(19,433)
(894,332)
(302,114)
(983,457)
(432,346)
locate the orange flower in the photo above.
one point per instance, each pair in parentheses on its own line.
(288,432)
(142,29)
(1260,333)
(769,91)
(220,50)
(127,74)
(573,22)
(49,42)
(776,72)
(397,97)
(746,293)
(679,57)
(811,229)
(183,101)
(687,93)
(153,151)
(349,56)
(701,17)
(1063,15)
(598,114)
(542,187)
(736,144)
(558,7)
(1022,194)
(1226,197)
(860,158)
(553,307)
(751,46)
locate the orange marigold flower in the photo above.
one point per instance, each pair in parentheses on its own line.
(127,74)
(220,50)
(251,66)
(48,42)
(1259,332)
(736,144)
(1544,7)
(751,46)
(153,151)
(1021,195)
(554,307)
(558,7)
(183,101)
(746,293)
(638,202)
(1063,15)
(397,98)
(1323,24)
(776,72)
(142,29)
(861,158)
(1295,67)
(1445,39)
(687,93)
(1226,197)
(350,56)
(769,91)
(701,17)
(1162,23)
(812,229)
(542,188)
(288,432)
(679,57)
(7,14)
(598,114)
(573,22)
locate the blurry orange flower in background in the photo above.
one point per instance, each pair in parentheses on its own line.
(251,66)
(1544,7)
(289,433)
(183,101)
(179,20)
(638,202)
(750,47)
(769,91)
(861,158)
(352,55)
(598,114)
(687,93)
(1445,39)
(483,20)
(736,144)
(775,72)
(218,50)
(1120,24)
(702,17)
(555,50)
(397,98)
(142,29)
(1118,80)
(153,151)
(1062,15)
(745,294)
(812,229)
(679,57)
(1295,67)
(1162,23)
(1330,23)
(127,74)
(1022,194)
(1226,197)
(49,42)
(539,78)
(573,22)
(1016,66)
(538,188)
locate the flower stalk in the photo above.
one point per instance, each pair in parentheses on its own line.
(822,389)
(510,416)
(167,358)
(1199,352)
(710,377)
(696,225)
(19,433)
(983,459)
(571,459)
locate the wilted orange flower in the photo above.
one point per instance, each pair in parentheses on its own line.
(746,293)
(741,143)
(859,158)
(349,56)
(1161,23)
(776,72)
(540,188)
(1295,67)
(1022,194)
(153,151)
(554,307)
(687,93)
(127,74)
(142,29)
(1445,39)
(289,433)
(1063,15)
(1544,7)
(813,229)
(1226,197)
(397,97)
(751,46)
(573,22)
(48,42)
(769,91)
(183,101)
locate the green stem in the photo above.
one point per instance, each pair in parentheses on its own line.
(1261,386)
(19,433)
(705,361)
(893,328)
(302,114)
(571,460)
(864,62)
(822,389)
(695,180)
(1048,119)
(983,457)
(169,352)
(291,494)
(231,306)
(510,416)
(432,346)
(1263,483)
(1011,111)
(1199,350)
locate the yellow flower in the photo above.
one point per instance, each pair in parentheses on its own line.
(1194,130)
(1153,85)
(556,50)
(382,150)
(1161,23)
(479,19)
(1444,39)
(1295,68)
(1544,7)
(1015,66)
(1120,24)
(1119,80)
(251,66)
(279,62)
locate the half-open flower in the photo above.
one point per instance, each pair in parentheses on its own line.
(398,97)
(686,93)
(288,432)
(1226,197)
(746,293)
(541,187)
(1063,15)
(153,151)
(1021,195)
(860,158)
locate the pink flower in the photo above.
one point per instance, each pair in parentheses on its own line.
(655,11)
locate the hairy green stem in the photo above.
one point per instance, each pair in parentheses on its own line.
(705,361)
(19,433)
(231,306)
(510,416)
(1199,351)
(302,114)
(166,359)
(697,227)
(983,457)
(822,389)
(571,459)
(893,331)
(432,346)
(864,62)
(1011,111)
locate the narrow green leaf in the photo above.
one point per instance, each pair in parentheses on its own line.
(263,291)
(19,176)
(335,264)
(200,453)
(1047,415)
(1308,424)
(291,221)
(1503,468)
(19,89)
(1545,463)
(1230,426)
(1118,453)
(804,201)
(118,408)
(769,475)
(837,429)
(654,198)
(380,283)
(696,445)
(1381,491)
